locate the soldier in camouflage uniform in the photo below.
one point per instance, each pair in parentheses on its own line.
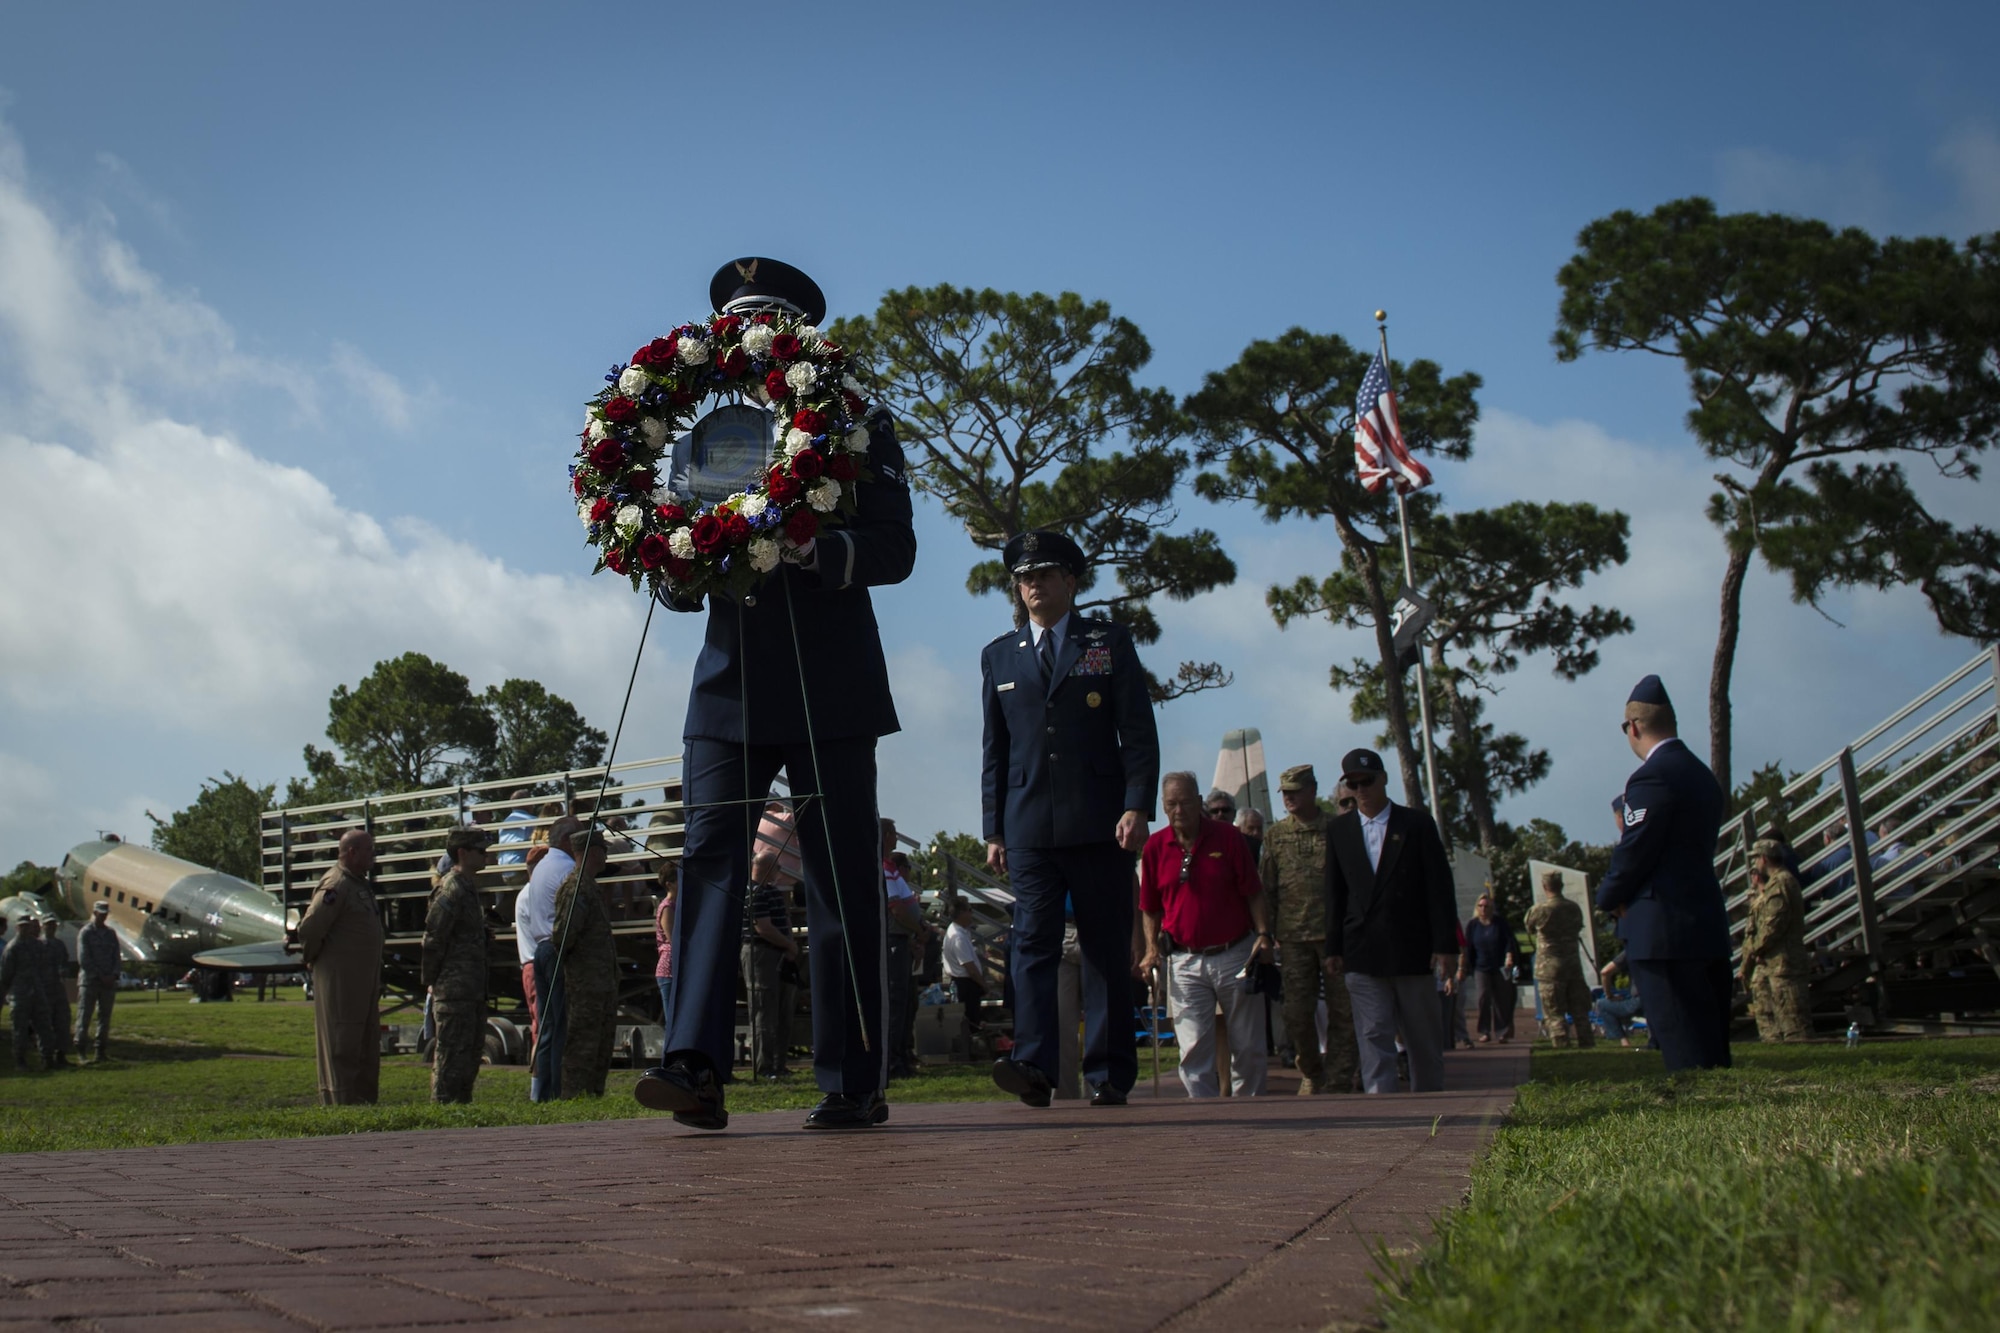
(589,969)
(27,975)
(1559,924)
(455,936)
(1775,959)
(1293,868)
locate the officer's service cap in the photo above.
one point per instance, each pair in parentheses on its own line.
(1649,690)
(756,281)
(1042,548)
(100,907)
(467,837)
(1358,762)
(1297,778)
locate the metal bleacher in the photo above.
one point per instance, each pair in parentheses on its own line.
(1898,838)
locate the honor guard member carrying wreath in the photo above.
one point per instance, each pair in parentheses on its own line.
(1662,888)
(1070,762)
(792,676)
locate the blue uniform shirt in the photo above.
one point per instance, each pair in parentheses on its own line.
(1062,761)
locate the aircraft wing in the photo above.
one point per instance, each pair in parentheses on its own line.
(135,949)
(268,956)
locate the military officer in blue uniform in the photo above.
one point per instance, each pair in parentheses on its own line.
(1071,760)
(1662,887)
(791,676)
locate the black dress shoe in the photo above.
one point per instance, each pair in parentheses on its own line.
(1025,1081)
(687,1089)
(843,1110)
(1103,1094)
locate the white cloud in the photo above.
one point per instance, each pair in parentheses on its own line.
(381,392)
(1971,156)
(1853,190)
(175,603)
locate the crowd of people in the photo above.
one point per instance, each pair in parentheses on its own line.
(34,972)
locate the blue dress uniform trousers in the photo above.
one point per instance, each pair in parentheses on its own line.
(1097,880)
(846,909)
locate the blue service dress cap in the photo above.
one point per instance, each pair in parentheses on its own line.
(1042,548)
(755,280)
(1649,690)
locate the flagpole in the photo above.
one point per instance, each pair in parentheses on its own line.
(1410,582)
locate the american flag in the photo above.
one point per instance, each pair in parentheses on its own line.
(1379,452)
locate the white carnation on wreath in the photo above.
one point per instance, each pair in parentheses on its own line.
(795,440)
(757,339)
(681,542)
(583,511)
(852,385)
(594,429)
(825,496)
(801,376)
(692,351)
(653,431)
(632,381)
(663,494)
(807,332)
(630,517)
(763,554)
(857,440)
(753,505)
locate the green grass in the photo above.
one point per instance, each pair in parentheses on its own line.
(1808,1188)
(184,1073)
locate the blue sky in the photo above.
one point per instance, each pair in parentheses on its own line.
(298,307)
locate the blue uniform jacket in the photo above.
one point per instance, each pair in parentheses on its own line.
(846,677)
(1663,870)
(1061,764)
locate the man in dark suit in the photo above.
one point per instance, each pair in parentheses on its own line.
(791,676)
(1662,887)
(1071,758)
(1391,926)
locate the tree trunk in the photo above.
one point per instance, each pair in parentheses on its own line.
(1725,666)
(1473,782)
(1364,553)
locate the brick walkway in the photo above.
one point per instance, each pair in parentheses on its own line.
(967,1216)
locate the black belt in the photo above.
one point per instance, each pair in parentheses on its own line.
(1220,948)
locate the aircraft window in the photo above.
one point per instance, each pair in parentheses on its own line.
(121,895)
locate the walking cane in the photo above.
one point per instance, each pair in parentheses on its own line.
(1153,1022)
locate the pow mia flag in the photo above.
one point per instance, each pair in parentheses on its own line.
(1409,616)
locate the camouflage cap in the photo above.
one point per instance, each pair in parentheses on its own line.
(1770,847)
(585,836)
(467,836)
(1297,778)
(100,907)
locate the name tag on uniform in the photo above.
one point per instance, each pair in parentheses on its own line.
(1000,688)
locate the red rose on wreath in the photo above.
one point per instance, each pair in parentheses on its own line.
(670,513)
(614,560)
(601,510)
(802,526)
(857,406)
(576,485)
(842,467)
(726,324)
(659,352)
(679,569)
(737,529)
(643,480)
(681,398)
(811,422)
(652,550)
(707,534)
(607,455)
(807,465)
(620,409)
(764,319)
(774,384)
(785,346)
(732,363)
(783,487)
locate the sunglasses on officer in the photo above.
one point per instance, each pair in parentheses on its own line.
(1361,781)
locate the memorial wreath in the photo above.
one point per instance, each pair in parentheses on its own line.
(658,534)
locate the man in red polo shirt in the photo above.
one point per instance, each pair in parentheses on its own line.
(1203,907)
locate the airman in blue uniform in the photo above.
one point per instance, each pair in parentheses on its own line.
(1071,759)
(1662,888)
(791,676)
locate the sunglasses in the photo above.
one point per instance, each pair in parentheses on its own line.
(1345,803)
(1187,864)
(1363,780)
(1625,727)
